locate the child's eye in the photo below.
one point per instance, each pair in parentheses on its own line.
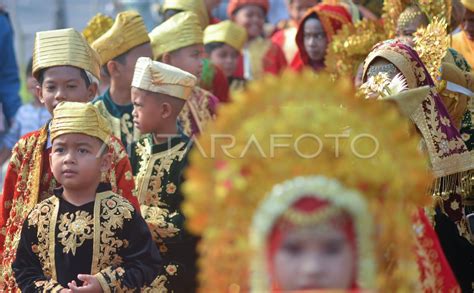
(72,86)
(292,248)
(83,151)
(58,150)
(50,88)
(333,247)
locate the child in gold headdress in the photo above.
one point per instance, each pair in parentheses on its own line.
(223,43)
(260,56)
(62,76)
(179,42)
(159,92)
(119,48)
(99,241)
(212,78)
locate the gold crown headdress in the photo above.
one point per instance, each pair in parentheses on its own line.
(225,184)
(96,27)
(394,9)
(431,44)
(351,45)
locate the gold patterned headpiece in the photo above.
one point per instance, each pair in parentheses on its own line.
(226,32)
(83,118)
(179,31)
(248,150)
(96,27)
(127,32)
(196,6)
(408,16)
(162,78)
(64,47)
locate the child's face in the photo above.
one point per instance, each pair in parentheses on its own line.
(124,73)
(252,18)
(146,111)
(297,8)
(76,160)
(64,83)
(315,257)
(315,40)
(188,59)
(226,58)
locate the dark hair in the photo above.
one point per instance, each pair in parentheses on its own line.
(84,76)
(171,12)
(122,59)
(212,46)
(29,68)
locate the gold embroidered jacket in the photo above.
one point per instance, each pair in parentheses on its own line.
(107,238)
(158,170)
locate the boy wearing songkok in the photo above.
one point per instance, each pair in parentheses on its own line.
(159,92)
(223,43)
(85,236)
(179,42)
(67,69)
(119,48)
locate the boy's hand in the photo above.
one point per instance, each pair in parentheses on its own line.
(65,291)
(91,284)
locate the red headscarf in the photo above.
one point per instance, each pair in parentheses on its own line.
(332,18)
(305,205)
(236,4)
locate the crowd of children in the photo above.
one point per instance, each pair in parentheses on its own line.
(223,156)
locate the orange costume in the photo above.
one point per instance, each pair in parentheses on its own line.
(462,44)
(332,18)
(260,55)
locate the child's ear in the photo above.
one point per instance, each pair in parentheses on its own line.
(92,90)
(106,162)
(112,67)
(39,93)
(51,160)
(166,110)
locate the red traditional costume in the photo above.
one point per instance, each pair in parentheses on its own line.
(332,18)
(254,179)
(29,178)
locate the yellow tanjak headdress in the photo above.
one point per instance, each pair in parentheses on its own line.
(181,30)
(162,78)
(127,32)
(96,27)
(196,6)
(64,47)
(83,118)
(226,32)
(251,149)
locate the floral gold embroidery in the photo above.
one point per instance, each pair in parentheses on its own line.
(170,188)
(114,210)
(171,269)
(75,230)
